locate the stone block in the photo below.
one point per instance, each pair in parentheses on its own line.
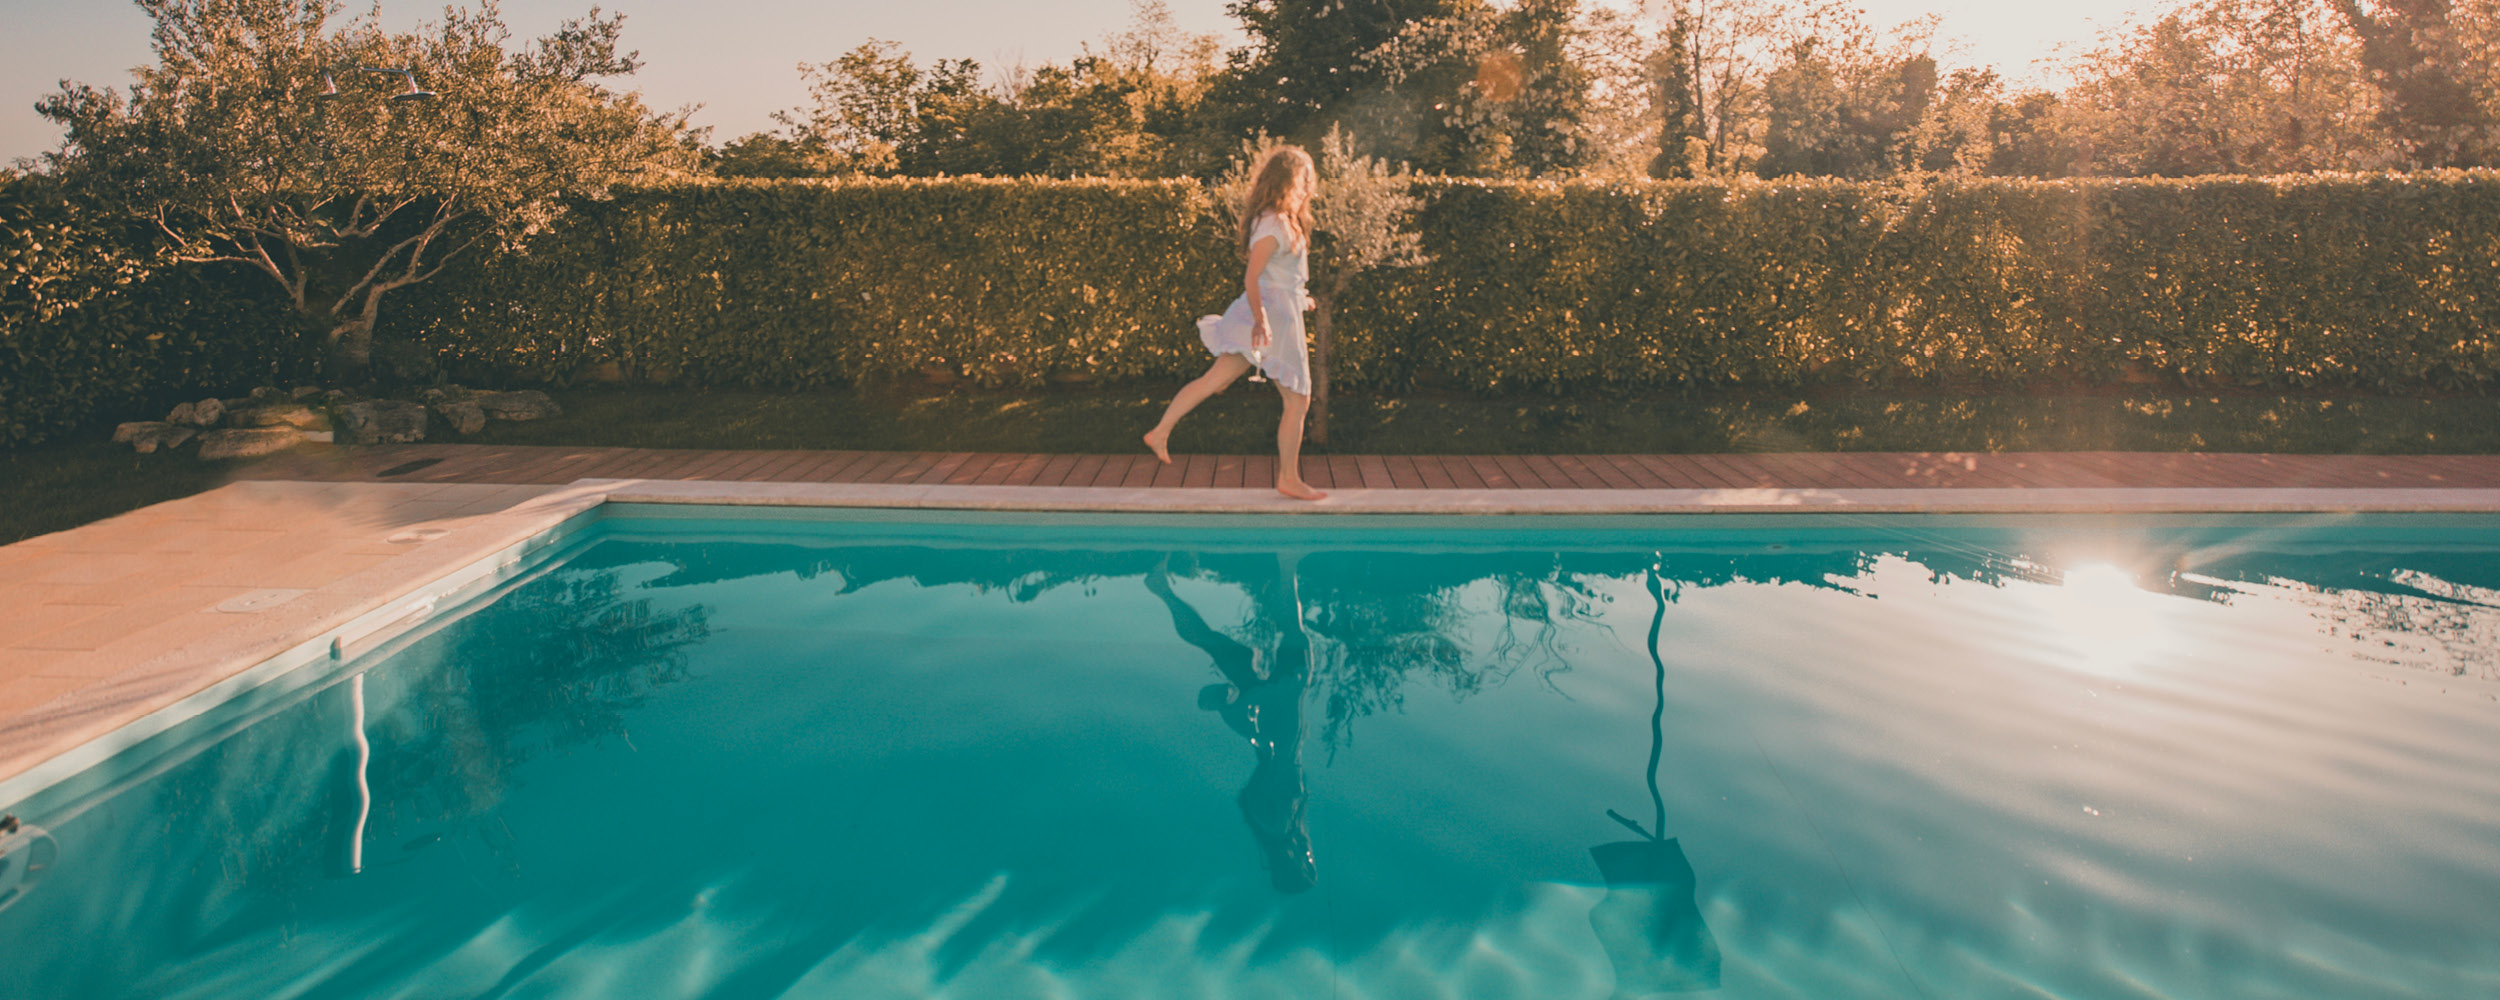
(247,442)
(382,421)
(526,404)
(465,416)
(145,436)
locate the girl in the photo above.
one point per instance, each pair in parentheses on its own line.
(1263,328)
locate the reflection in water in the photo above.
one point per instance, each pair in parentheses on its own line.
(26,852)
(1649,923)
(1261,699)
(844,790)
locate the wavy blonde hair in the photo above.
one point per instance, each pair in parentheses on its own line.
(1283,183)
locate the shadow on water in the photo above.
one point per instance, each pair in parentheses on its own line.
(321,822)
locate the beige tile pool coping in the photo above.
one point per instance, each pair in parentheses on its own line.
(112,631)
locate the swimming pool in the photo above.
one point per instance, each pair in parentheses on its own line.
(696,752)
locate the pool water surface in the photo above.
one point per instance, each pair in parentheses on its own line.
(703,753)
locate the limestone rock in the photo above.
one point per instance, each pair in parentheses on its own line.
(382,421)
(304,392)
(268,415)
(205,413)
(246,442)
(465,416)
(526,404)
(296,415)
(146,436)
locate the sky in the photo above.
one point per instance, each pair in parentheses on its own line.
(739,58)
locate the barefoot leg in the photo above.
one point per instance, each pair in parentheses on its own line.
(1289,447)
(1220,374)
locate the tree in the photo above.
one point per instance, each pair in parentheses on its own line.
(1504,85)
(262,137)
(1681,140)
(1359,223)
(1306,69)
(1842,101)
(2226,86)
(2415,54)
(1127,110)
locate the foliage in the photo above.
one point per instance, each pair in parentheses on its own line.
(1129,110)
(92,322)
(1503,84)
(815,282)
(1306,69)
(1979,281)
(2224,87)
(1527,284)
(2415,56)
(236,147)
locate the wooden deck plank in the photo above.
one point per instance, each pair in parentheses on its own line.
(1141,472)
(549,464)
(1055,470)
(816,464)
(1343,474)
(1516,471)
(1603,469)
(1433,473)
(972,468)
(1671,470)
(1083,472)
(1462,471)
(1201,472)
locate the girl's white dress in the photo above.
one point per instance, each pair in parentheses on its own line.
(1287,357)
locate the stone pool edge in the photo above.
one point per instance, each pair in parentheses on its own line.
(155,692)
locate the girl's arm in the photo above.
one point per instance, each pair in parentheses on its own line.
(1259,253)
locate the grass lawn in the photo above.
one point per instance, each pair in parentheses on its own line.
(57,486)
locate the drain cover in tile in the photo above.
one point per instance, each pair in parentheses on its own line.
(259,600)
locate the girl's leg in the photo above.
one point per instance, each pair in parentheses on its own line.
(1289,447)
(1226,368)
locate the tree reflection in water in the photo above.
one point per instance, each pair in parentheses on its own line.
(553,665)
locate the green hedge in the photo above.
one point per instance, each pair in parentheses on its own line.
(91,329)
(2384,281)
(2381,281)
(800,283)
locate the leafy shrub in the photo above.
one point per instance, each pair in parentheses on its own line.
(91,328)
(2383,281)
(2386,281)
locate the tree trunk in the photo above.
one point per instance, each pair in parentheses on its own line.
(350,351)
(1322,312)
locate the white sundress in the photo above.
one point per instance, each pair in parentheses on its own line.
(1282,291)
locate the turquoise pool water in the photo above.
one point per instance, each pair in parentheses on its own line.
(866,755)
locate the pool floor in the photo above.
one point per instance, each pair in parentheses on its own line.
(870,754)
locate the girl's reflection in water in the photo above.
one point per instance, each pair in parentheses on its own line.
(1261,698)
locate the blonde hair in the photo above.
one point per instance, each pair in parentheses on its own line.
(1283,183)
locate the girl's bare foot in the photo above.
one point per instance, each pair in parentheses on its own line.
(1300,490)
(1155,442)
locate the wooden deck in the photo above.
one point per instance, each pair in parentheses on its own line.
(460,463)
